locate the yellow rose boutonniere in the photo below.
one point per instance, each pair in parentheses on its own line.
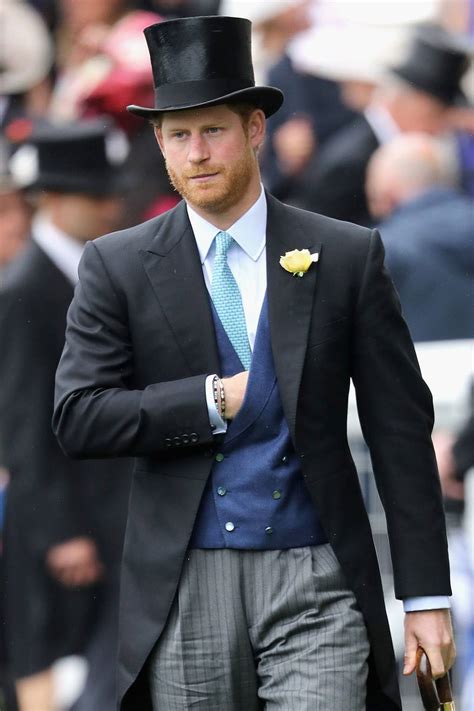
(298,261)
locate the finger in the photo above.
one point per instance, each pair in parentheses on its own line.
(411,646)
(437,663)
(448,653)
(451,655)
(81,576)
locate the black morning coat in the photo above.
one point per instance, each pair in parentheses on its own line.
(51,499)
(140,342)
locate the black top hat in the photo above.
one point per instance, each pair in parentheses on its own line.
(76,158)
(204,61)
(436,63)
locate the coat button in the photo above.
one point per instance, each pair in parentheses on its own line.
(219,457)
(194,437)
(269,530)
(185,439)
(229,526)
(276,494)
(168,442)
(221,490)
(177,441)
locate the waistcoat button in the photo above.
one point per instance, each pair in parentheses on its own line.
(219,457)
(221,490)
(229,526)
(269,530)
(276,494)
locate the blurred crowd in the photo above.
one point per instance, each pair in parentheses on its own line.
(377,128)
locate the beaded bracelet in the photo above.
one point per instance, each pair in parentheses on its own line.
(219,396)
(222,397)
(215,390)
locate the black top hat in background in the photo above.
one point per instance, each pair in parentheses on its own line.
(435,64)
(204,61)
(80,157)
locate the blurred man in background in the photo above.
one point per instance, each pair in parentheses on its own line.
(15,213)
(427,227)
(15,221)
(64,520)
(416,97)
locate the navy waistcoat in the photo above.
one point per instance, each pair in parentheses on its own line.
(255,497)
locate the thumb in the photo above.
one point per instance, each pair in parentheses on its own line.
(411,647)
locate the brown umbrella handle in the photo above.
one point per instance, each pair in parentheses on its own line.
(445,693)
(435,695)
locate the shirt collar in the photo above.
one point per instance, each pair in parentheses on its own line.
(248,231)
(381,123)
(64,251)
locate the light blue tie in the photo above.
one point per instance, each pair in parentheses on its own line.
(228,301)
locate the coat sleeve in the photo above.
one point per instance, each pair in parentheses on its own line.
(42,491)
(396,415)
(97,412)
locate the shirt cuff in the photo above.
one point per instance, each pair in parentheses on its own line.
(434,602)
(218,425)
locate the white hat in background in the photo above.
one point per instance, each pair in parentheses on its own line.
(257,11)
(348,52)
(381,13)
(26,49)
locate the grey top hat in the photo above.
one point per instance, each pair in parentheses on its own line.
(204,61)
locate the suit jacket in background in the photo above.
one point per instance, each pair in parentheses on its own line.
(334,182)
(50,498)
(313,97)
(430,256)
(140,343)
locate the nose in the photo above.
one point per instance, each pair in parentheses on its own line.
(198,149)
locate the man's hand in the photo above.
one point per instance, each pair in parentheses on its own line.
(443,445)
(234,389)
(75,563)
(432,630)
(294,143)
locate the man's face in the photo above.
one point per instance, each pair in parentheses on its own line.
(14,224)
(210,155)
(85,217)
(422,112)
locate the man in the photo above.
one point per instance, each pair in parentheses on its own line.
(15,213)
(249,573)
(426,227)
(416,96)
(63,526)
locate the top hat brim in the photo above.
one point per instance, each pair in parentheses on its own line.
(267,98)
(448,97)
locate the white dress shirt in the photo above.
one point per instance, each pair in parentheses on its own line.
(381,123)
(64,251)
(246,259)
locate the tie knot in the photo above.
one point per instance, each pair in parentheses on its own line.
(223,242)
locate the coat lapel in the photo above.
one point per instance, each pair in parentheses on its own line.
(290,303)
(174,268)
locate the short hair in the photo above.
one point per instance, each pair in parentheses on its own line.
(241,108)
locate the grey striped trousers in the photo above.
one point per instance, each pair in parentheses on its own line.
(253,630)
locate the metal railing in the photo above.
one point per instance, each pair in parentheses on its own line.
(447,367)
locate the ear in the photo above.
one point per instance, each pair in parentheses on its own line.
(159,138)
(256,128)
